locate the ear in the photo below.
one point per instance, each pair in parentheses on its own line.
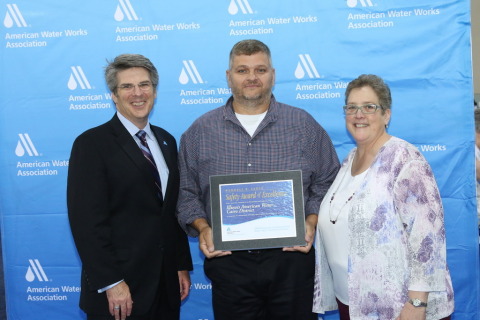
(227,75)
(387,115)
(114,98)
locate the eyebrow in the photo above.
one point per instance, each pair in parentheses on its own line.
(256,66)
(141,82)
(363,103)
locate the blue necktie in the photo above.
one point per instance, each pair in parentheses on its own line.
(148,155)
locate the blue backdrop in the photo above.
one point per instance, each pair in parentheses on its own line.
(52,88)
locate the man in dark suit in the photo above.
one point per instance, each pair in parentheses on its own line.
(122,192)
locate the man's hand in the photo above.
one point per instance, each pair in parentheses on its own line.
(310,227)
(205,240)
(185,283)
(120,301)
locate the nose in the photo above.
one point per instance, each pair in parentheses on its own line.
(252,75)
(137,90)
(358,113)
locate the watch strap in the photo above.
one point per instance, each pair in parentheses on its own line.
(417,303)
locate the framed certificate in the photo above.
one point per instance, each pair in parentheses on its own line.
(257,211)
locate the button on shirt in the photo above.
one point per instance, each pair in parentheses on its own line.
(288,138)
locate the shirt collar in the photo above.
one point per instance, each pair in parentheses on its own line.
(272,112)
(131,128)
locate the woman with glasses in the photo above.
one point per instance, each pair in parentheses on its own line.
(380,241)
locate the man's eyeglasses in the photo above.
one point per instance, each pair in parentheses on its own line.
(368,108)
(144,86)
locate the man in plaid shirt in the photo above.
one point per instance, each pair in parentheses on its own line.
(253,133)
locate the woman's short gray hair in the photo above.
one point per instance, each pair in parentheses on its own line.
(379,86)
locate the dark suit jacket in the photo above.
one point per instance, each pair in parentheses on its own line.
(120,228)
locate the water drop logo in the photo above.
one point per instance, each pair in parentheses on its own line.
(125,9)
(35,271)
(25,145)
(364,3)
(189,73)
(78,78)
(305,67)
(13,17)
(242,5)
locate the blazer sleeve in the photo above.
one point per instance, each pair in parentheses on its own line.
(184,256)
(87,195)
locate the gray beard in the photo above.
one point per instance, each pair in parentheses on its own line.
(254,101)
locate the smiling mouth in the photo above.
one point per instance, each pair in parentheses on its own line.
(138,104)
(361,125)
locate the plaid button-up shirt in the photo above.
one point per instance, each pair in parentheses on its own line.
(288,138)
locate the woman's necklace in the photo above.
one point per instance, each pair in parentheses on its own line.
(341,209)
(353,183)
(341,184)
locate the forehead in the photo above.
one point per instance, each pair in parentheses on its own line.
(135,74)
(256,59)
(362,95)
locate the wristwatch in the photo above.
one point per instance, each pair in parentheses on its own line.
(417,303)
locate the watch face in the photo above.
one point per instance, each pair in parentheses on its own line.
(418,303)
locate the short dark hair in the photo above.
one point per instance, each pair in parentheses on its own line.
(477,120)
(379,86)
(127,61)
(249,47)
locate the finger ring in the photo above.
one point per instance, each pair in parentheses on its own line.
(116,307)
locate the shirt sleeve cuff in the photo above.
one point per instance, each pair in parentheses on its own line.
(108,287)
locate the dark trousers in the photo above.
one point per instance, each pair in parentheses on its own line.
(160,310)
(262,284)
(344,312)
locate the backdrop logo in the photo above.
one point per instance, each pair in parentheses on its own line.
(364,3)
(125,8)
(306,66)
(25,144)
(243,5)
(77,77)
(35,271)
(189,73)
(13,16)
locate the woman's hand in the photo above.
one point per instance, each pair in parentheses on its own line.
(409,312)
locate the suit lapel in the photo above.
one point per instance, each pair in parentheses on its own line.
(130,147)
(167,155)
(164,147)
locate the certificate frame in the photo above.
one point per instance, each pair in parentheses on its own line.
(257,210)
